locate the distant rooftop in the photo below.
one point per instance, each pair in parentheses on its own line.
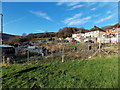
(5,46)
(96,28)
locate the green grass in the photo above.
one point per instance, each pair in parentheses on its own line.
(98,73)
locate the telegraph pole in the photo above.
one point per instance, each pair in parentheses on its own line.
(1,31)
(1,27)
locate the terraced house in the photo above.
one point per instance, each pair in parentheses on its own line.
(79,36)
(94,34)
(113,33)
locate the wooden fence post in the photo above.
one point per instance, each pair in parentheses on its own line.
(63,54)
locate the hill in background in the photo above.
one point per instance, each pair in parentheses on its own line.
(6,37)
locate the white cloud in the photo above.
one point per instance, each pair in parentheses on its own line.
(41,31)
(90,3)
(80,21)
(75,20)
(104,19)
(41,14)
(67,3)
(60,3)
(14,21)
(93,9)
(72,18)
(72,3)
(77,6)
(108,12)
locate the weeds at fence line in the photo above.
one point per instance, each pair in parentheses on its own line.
(63,52)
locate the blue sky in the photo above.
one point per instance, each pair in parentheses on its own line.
(39,17)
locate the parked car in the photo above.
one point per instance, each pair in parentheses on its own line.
(66,41)
(89,41)
(74,41)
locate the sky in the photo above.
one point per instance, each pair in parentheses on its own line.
(40,17)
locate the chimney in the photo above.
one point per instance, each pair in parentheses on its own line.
(95,26)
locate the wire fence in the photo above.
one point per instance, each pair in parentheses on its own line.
(62,52)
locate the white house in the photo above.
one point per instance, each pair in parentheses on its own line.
(78,36)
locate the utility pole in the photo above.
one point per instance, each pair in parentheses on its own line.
(1,27)
(1,31)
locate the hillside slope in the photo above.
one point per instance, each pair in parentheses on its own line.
(7,36)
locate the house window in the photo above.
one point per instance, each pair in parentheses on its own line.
(119,26)
(113,27)
(113,30)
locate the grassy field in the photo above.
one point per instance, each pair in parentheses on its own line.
(95,73)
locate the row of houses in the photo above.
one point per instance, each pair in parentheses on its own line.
(97,34)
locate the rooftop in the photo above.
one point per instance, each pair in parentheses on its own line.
(96,29)
(5,46)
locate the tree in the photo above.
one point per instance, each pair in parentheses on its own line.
(24,34)
(67,32)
